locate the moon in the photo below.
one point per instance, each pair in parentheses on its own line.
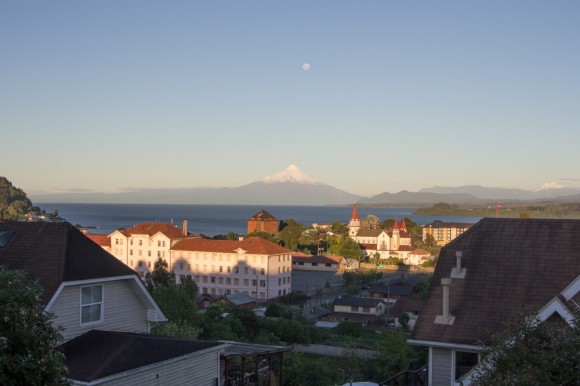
(306,66)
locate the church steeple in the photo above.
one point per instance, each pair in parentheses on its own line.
(403,225)
(354,214)
(354,223)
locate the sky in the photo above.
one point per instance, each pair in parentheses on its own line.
(366,96)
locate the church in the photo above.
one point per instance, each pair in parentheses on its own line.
(384,243)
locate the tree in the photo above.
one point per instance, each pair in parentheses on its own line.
(160,276)
(13,201)
(28,340)
(346,247)
(531,352)
(290,233)
(394,354)
(339,228)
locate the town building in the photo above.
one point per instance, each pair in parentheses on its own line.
(384,243)
(250,265)
(263,222)
(444,232)
(358,309)
(333,263)
(489,276)
(141,245)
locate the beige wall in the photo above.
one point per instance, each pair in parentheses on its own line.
(122,310)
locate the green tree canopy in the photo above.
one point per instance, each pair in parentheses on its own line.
(28,340)
(13,201)
(339,228)
(160,276)
(534,353)
(290,233)
(345,246)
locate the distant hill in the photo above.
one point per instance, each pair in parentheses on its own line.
(13,201)
(289,187)
(419,199)
(292,186)
(502,194)
(471,195)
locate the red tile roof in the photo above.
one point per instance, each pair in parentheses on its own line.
(102,240)
(252,245)
(302,258)
(263,216)
(54,253)
(151,228)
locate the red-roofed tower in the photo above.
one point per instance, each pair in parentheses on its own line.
(354,223)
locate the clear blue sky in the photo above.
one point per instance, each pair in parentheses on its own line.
(107,95)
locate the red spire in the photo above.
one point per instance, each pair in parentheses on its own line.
(403,225)
(396,224)
(354,214)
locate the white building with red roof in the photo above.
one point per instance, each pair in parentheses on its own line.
(254,266)
(331,263)
(141,245)
(384,243)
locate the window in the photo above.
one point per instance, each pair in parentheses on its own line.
(262,271)
(148,253)
(366,309)
(262,283)
(91,304)
(236,269)
(181,266)
(140,242)
(149,264)
(464,362)
(354,308)
(131,252)
(221,268)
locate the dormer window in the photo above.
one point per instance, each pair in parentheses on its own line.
(92,304)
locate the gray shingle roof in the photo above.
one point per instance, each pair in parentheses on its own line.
(98,354)
(513,265)
(53,253)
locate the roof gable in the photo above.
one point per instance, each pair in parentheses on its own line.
(53,253)
(512,265)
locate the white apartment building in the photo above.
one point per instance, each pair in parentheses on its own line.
(141,245)
(253,266)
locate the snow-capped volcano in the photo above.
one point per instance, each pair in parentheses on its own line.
(292,174)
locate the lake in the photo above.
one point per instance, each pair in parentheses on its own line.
(212,220)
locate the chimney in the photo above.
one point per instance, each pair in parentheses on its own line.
(446,317)
(185,227)
(458,272)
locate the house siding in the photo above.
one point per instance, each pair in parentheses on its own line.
(200,370)
(123,310)
(441,367)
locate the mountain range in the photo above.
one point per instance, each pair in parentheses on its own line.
(292,186)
